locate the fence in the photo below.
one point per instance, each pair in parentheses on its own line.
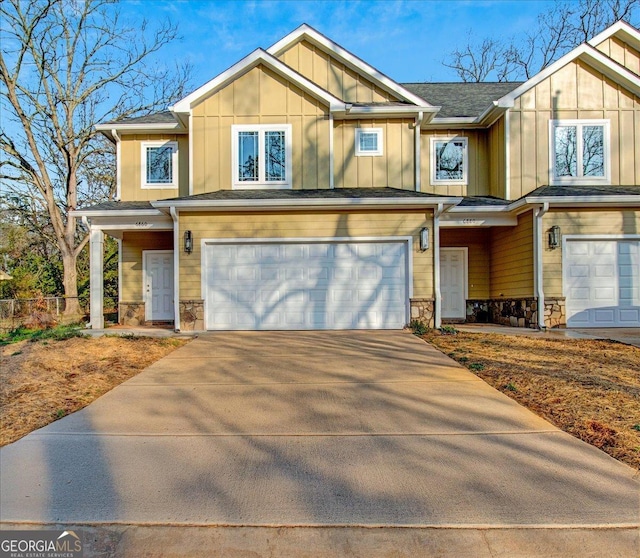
(22,311)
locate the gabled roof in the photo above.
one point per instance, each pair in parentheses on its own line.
(591,56)
(460,99)
(622,30)
(257,57)
(308,33)
(164,121)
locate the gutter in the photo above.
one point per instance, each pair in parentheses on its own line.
(176,269)
(538,249)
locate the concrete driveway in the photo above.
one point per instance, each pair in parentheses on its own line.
(312,429)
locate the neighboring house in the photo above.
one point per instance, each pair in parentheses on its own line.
(303,189)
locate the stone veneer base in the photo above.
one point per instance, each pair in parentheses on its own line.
(192,315)
(423,310)
(131,314)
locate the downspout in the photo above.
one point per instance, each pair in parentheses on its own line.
(114,133)
(436,264)
(417,155)
(538,250)
(331,170)
(176,269)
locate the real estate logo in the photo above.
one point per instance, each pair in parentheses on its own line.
(40,544)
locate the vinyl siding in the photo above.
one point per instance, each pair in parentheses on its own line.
(131,168)
(573,92)
(330,74)
(622,53)
(259,97)
(512,259)
(479,253)
(605,222)
(478,174)
(395,167)
(133,243)
(304,225)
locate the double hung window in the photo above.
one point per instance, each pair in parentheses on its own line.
(159,164)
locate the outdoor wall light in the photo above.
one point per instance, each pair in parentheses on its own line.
(188,242)
(554,237)
(424,239)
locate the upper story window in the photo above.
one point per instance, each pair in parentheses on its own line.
(579,151)
(368,141)
(159,164)
(449,160)
(261,156)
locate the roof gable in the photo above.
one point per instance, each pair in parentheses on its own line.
(621,30)
(257,57)
(307,33)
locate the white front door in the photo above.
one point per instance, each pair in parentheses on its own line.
(306,285)
(158,285)
(453,282)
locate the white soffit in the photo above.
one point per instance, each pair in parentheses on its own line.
(249,62)
(351,60)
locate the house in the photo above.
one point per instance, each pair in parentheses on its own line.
(303,189)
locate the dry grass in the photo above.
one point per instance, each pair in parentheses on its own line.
(590,389)
(43,381)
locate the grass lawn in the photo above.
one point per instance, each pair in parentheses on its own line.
(590,389)
(47,374)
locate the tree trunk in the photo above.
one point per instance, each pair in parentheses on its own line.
(72,310)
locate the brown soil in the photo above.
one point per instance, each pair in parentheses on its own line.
(43,381)
(590,389)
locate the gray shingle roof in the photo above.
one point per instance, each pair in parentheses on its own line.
(586,191)
(461,99)
(336,193)
(118,206)
(164,117)
(482,201)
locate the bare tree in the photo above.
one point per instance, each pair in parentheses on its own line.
(66,65)
(562,28)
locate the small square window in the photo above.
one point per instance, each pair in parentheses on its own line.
(449,160)
(159,164)
(368,141)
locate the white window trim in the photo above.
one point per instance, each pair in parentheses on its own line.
(578,180)
(465,160)
(378,152)
(174,166)
(261,183)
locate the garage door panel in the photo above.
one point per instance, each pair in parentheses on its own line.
(317,285)
(602,283)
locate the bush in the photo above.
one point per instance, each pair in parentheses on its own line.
(418,327)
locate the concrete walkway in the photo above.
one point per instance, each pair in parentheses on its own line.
(337,431)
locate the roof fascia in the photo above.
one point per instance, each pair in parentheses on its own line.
(622,30)
(590,55)
(174,128)
(385,111)
(258,56)
(90,213)
(298,204)
(348,59)
(586,201)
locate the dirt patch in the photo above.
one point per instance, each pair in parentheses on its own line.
(590,389)
(46,380)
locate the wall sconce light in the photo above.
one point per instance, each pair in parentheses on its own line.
(554,237)
(424,239)
(188,242)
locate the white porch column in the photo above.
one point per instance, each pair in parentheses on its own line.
(96,278)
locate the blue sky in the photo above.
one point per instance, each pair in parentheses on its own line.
(407,40)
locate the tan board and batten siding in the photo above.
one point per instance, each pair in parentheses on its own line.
(259,97)
(395,167)
(333,76)
(575,222)
(622,53)
(304,225)
(133,244)
(512,259)
(131,168)
(574,91)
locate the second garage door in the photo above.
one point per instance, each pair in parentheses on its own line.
(306,285)
(602,283)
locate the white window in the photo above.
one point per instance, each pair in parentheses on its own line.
(159,164)
(449,160)
(579,151)
(368,142)
(261,156)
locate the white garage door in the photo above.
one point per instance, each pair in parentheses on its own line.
(319,285)
(602,283)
